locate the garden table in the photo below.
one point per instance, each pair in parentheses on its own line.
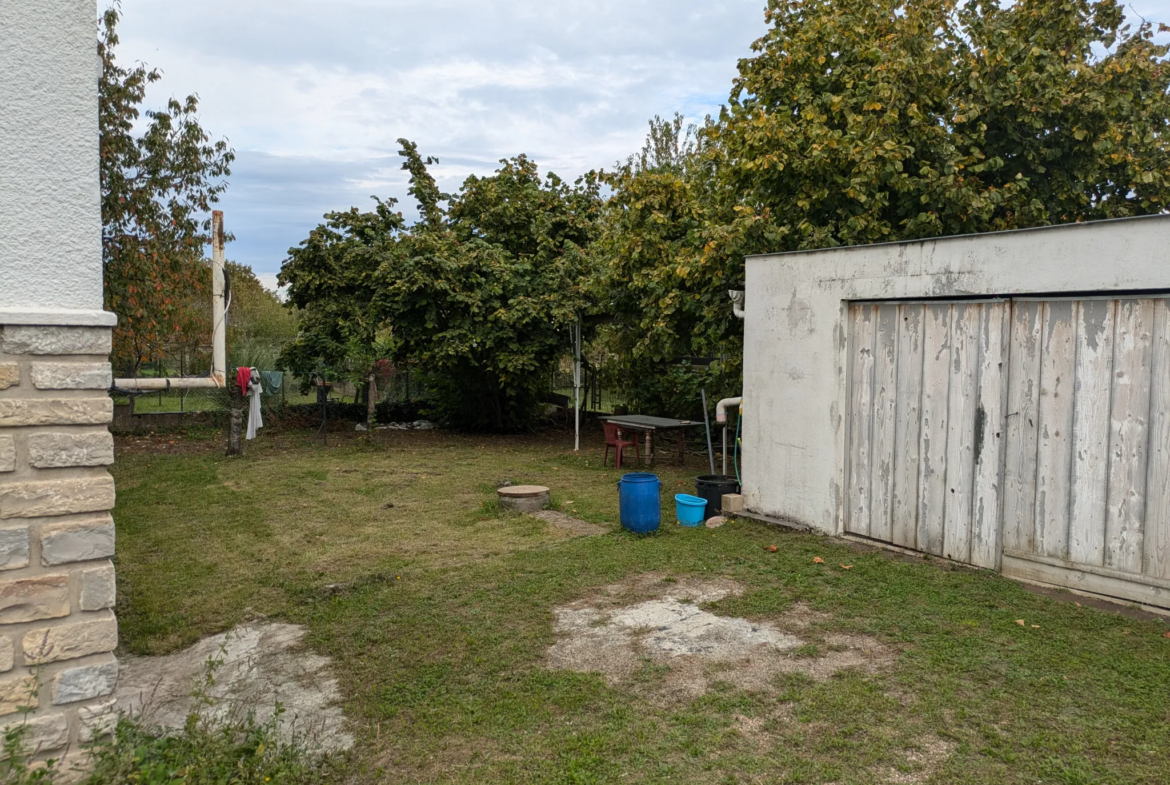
(647,424)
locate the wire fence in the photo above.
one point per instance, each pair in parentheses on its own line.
(399,395)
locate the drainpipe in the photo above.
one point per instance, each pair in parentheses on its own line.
(736,296)
(721,417)
(736,302)
(219,299)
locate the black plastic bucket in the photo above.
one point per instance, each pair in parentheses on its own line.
(712,487)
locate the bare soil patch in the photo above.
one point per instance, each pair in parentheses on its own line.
(654,621)
(252,668)
(575,527)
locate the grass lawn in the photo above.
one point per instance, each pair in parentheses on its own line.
(439,611)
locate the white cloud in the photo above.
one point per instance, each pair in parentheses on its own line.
(313,96)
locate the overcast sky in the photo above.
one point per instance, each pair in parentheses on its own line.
(314,95)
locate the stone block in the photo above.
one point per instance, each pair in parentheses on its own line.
(21,339)
(7,655)
(14,548)
(97,720)
(57,450)
(70,641)
(63,543)
(90,681)
(31,599)
(42,734)
(98,588)
(18,692)
(7,453)
(9,375)
(72,376)
(16,412)
(732,502)
(38,499)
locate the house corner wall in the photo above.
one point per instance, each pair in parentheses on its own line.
(57,589)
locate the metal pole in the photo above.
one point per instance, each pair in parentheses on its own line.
(724,450)
(707,430)
(218,317)
(577,387)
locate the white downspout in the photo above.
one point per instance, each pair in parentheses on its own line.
(721,417)
(218,329)
(736,296)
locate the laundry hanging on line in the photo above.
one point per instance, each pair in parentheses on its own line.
(272,381)
(255,390)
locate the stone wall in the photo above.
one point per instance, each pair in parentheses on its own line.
(57,625)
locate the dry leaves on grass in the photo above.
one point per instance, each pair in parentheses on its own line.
(818,560)
(846,566)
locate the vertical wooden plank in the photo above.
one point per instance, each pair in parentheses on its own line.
(989,436)
(1093,393)
(1157,528)
(1129,435)
(963,399)
(936,376)
(885,402)
(909,423)
(1019,504)
(860,418)
(1054,453)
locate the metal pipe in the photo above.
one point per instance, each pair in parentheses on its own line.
(218,329)
(171,383)
(721,408)
(721,417)
(736,303)
(218,303)
(725,450)
(707,430)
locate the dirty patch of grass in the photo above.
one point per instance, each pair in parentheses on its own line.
(441,629)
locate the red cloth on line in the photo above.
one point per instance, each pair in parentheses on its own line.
(243,376)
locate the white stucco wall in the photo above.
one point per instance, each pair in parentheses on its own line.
(50,212)
(794,347)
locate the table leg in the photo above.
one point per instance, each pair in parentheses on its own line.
(649,448)
(682,447)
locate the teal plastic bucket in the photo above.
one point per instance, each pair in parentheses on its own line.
(689,509)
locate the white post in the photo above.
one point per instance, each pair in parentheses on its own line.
(577,386)
(218,310)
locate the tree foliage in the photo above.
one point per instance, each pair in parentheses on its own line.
(158,182)
(478,294)
(331,278)
(861,121)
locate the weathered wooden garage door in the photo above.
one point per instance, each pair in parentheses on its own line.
(1032,434)
(925,436)
(1087,475)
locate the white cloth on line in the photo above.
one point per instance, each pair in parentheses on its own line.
(255,419)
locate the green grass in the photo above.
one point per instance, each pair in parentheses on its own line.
(445,612)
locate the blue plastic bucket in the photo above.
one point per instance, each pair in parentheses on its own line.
(638,502)
(689,509)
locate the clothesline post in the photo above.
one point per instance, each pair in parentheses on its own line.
(577,385)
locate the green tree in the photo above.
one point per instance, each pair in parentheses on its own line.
(332,278)
(859,121)
(862,121)
(482,296)
(258,323)
(158,183)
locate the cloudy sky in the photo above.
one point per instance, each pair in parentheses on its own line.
(314,95)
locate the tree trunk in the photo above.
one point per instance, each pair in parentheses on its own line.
(371,398)
(236,421)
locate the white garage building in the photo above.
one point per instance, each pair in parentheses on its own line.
(1001,400)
